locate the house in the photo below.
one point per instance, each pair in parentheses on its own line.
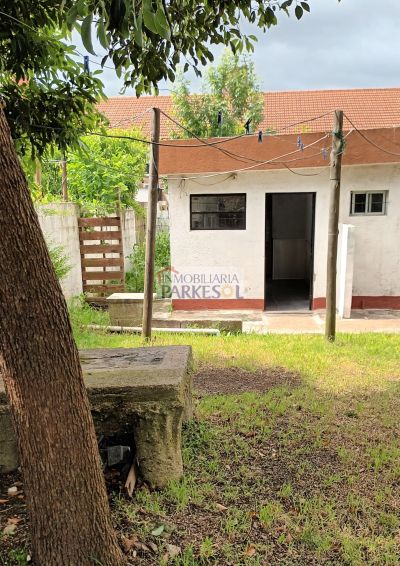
(249,220)
(288,110)
(249,224)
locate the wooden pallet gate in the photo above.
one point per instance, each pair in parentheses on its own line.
(101,253)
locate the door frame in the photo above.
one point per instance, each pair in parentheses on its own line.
(269,196)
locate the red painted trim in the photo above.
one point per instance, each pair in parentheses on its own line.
(387,302)
(319,303)
(221,304)
(376,303)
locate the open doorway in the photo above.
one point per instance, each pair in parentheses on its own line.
(289,251)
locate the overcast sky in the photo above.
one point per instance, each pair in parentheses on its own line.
(355,43)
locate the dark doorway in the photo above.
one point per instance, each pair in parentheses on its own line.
(289,251)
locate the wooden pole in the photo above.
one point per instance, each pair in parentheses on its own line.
(64,182)
(333,225)
(38,174)
(151,225)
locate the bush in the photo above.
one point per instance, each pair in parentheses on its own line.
(135,277)
(60,260)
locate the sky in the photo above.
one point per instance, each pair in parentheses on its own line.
(351,44)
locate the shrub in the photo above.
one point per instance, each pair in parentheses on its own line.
(60,260)
(135,277)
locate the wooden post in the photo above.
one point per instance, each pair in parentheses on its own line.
(333,225)
(38,174)
(151,225)
(64,183)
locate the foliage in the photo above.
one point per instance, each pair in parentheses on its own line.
(135,277)
(103,170)
(230,87)
(82,314)
(146,42)
(60,260)
(49,99)
(108,170)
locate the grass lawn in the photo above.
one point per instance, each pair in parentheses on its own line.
(304,470)
(307,472)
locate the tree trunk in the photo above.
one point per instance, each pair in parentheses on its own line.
(66,495)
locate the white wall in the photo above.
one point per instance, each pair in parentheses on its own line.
(377,238)
(59,223)
(377,262)
(128,228)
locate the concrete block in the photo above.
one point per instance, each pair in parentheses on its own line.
(126,309)
(147,391)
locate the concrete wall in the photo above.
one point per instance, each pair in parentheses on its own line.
(128,227)
(59,223)
(377,259)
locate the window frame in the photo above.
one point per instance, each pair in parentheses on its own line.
(368,203)
(195,195)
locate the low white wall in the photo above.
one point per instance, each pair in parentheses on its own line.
(128,228)
(59,223)
(377,259)
(345,269)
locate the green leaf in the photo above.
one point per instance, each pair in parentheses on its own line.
(76,10)
(162,23)
(138,33)
(158,531)
(101,34)
(299,12)
(149,17)
(86,32)
(306,7)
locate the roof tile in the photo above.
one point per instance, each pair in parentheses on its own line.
(368,108)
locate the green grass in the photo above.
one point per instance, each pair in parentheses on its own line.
(355,362)
(298,475)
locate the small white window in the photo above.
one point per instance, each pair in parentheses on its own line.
(370,202)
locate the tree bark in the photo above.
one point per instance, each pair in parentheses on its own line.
(66,496)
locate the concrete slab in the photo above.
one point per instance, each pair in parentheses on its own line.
(290,322)
(146,392)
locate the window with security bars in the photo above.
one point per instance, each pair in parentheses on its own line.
(218,212)
(368,203)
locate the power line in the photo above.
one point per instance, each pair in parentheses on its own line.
(274,160)
(367,139)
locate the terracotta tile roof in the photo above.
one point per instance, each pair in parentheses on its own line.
(128,111)
(368,108)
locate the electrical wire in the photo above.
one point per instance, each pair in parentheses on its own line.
(367,139)
(163,144)
(222,150)
(227,152)
(274,160)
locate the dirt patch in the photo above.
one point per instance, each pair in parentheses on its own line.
(214,381)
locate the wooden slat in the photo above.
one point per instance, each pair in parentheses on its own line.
(101,235)
(102,262)
(109,221)
(91,288)
(101,249)
(102,275)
